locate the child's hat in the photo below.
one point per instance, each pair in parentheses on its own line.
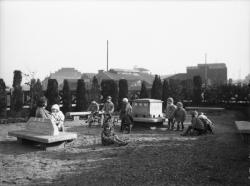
(170,100)
(179,104)
(125,100)
(55,107)
(194,113)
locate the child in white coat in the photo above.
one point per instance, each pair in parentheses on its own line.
(57,117)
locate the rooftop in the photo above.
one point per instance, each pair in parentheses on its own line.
(209,65)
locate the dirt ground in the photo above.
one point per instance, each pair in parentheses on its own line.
(152,157)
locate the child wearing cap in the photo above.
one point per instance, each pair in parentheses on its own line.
(170,110)
(180,115)
(57,117)
(108,109)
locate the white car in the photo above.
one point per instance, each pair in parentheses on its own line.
(147,111)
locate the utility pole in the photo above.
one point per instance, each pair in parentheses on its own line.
(107,55)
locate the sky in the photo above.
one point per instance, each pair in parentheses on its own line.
(162,36)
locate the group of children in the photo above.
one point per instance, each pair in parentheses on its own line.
(56,116)
(108,136)
(174,114)
(177,114)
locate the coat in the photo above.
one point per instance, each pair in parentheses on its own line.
(197,123)
(180,115)
(108,107)
(93,107)
(42,113)
(170,110)
(126,110)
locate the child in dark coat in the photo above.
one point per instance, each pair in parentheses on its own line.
(196,125)
(180,116)
(108,136)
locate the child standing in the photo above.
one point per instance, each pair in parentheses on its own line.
(180,115)
(170,110)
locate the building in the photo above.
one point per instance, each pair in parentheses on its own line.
(212,74)
(70,74)
(134,77)
(179,76)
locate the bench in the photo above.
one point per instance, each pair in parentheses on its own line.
(43,132)
(76,115)
(243,128)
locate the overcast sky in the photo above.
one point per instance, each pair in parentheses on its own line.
(162,36)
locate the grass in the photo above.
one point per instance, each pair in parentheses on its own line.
(151,158)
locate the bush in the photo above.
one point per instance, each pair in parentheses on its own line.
(3,99)
(17,94)
(95,90)
(144,91)
(123,91)
(109,88)
(81,101)
(66,97)
(156,91)
(197,90)
(52,93)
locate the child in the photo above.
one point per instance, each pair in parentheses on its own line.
(126,116)
(108,136)
(209,126)
(180,115)
(41,111)
(94,112)
(196,124)
(57,117)
(170,110)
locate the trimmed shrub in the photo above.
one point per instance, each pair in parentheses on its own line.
(81,101)
(156,91)
(52,93)
(144,91)
(3,99)
(66,97)
(17,94)
(109,88)
(197,90)
(95,91)
(123,91)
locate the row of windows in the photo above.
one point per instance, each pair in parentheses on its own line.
(141,104)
